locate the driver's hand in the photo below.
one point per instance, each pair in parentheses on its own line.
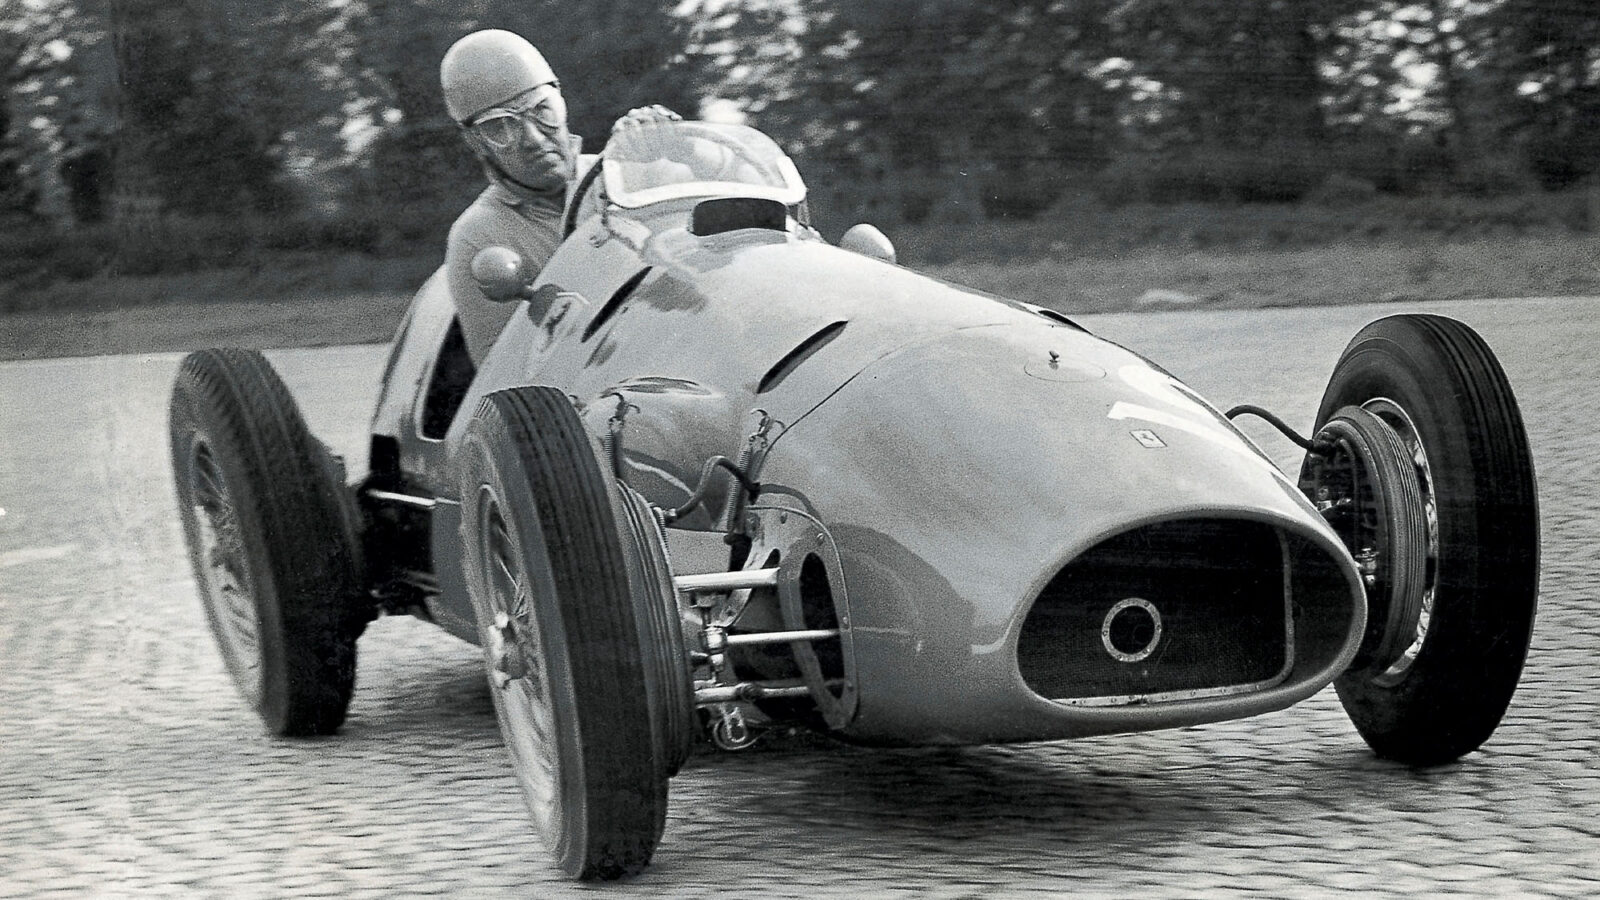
(645,115)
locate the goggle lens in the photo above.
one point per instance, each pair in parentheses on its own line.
(502,127)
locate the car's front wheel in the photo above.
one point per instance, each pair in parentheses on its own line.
(1454,588)
(569,674)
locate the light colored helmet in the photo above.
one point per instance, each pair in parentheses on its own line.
(487,68)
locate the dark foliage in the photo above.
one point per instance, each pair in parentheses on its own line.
(229,138)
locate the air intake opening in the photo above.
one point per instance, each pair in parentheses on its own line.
(809,662)
(733,213)
(1174,610)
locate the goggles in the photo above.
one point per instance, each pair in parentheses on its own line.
(503,126)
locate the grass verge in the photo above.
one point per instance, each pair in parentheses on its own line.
(277,308)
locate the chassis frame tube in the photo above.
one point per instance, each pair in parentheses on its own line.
(726,581)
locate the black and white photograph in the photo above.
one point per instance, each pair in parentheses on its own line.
(799,448)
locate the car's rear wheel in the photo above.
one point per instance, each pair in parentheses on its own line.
(572,679)
(1435,680)
(273,537)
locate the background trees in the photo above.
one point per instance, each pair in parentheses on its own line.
(217,97)
(1547,56)
(943,108)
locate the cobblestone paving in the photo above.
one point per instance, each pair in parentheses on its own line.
(128,766)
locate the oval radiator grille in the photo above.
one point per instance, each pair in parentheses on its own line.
(1175,610)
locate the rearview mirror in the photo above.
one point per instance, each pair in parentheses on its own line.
(501,274)
(868,241)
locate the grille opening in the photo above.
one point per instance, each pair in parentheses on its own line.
(1178,609)
(777,661)
(816,599)
(1325,604)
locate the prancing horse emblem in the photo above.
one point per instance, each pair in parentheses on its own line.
(1148,439)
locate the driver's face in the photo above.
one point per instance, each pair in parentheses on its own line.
(528,138)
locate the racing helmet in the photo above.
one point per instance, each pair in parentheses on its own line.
(487,68)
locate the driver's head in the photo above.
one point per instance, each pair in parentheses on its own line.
(506,99)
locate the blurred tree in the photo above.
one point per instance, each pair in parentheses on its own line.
(1244,72)
(1411,96)
(415,154)
(84,120)
(17,64)
(212,93)
(1414,67)
(48,117)
(959,106)
(1547,53)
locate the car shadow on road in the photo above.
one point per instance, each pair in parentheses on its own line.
(1040,794)
(413,682)
(1096,797)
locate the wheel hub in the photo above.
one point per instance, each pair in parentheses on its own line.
(506,661)
(225,581)
(1366,485)
(1398,419)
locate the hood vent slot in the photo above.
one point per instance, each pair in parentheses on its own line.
(615,303)
(798,355)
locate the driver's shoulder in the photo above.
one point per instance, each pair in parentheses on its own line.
(484,209)
(499,216)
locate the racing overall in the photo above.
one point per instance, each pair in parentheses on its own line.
(504,215)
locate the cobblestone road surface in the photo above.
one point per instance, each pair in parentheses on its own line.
(129,767)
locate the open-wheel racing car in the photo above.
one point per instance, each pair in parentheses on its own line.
(947,517)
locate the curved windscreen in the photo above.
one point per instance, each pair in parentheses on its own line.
(659,161)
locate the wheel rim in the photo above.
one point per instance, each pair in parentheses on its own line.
(1397,418)
(518,676)
(226,584)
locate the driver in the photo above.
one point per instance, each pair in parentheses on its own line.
(507,100)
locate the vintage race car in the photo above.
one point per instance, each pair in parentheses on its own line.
(939,516)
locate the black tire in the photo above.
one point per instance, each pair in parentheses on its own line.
(1438,385)
(549,576)
(668,681)
(273,537)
